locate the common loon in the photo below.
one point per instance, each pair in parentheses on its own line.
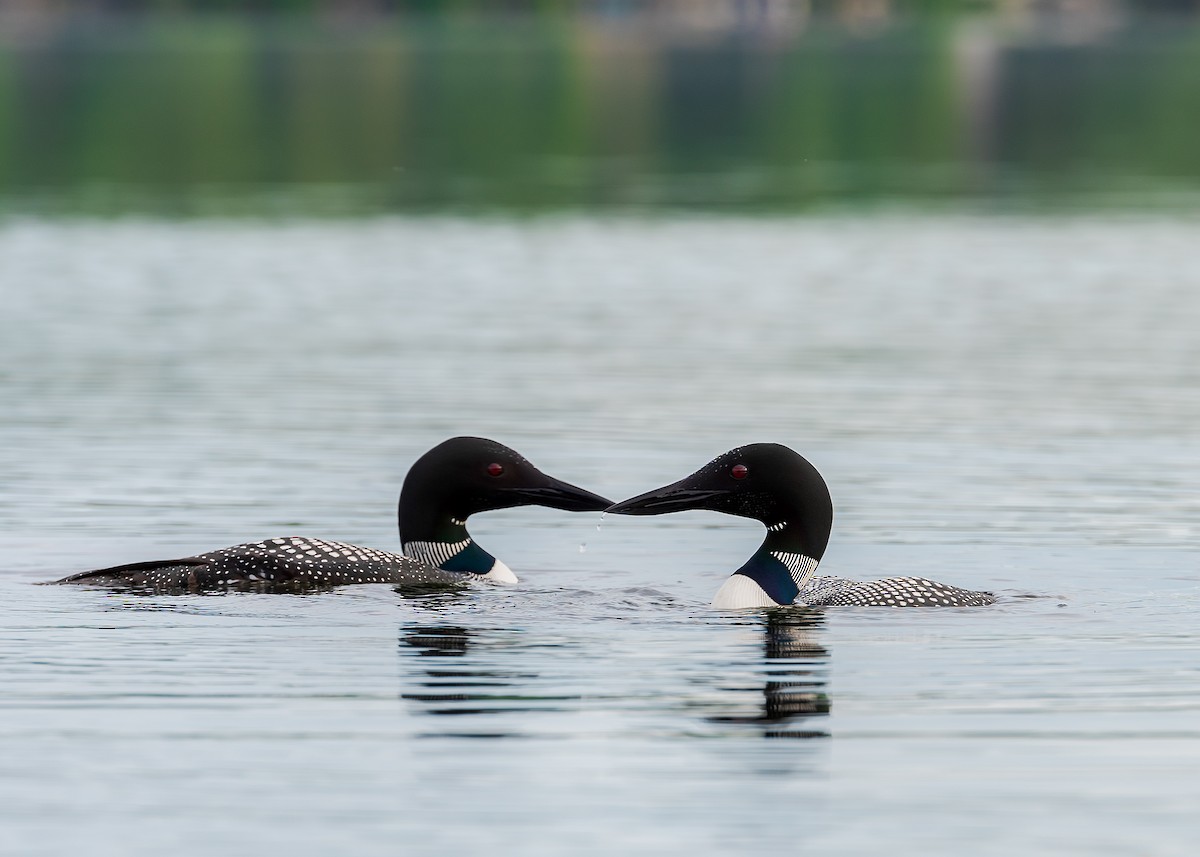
(446,485)
(780,488)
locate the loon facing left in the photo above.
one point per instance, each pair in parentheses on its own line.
(444,487)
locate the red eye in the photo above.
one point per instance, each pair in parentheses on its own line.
(495,469)
(739,471)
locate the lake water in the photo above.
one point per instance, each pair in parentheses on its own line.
(999,403)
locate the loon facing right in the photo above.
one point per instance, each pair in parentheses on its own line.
(444,487)
(777,486)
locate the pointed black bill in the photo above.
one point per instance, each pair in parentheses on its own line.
(557,494)
(670,498)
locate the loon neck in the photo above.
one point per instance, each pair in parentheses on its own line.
(784,563)
(449,546)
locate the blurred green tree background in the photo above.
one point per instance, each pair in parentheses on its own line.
(311,106)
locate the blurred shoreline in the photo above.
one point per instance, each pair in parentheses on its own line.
(367,108)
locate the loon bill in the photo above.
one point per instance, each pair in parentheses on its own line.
(445,486)
(779,487)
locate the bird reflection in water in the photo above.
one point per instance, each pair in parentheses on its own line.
(452,679)
(795,668)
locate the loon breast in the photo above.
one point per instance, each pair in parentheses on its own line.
(740,591)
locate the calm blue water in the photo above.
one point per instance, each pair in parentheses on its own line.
(1006,404)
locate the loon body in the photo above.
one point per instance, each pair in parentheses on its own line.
(777,486)
(446,485)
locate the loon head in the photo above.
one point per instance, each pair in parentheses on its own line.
(769,483)
(764,481)
(465,475)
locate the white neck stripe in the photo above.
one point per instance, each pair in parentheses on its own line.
(434,553)
(799,566)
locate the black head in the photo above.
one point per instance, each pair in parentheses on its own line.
(764,481)
(465,475)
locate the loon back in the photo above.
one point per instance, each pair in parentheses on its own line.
(779,487)
(280,565)
(444,487)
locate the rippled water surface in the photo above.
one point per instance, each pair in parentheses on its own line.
(1006,404)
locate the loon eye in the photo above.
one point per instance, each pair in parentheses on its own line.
(495,469)
(739,471)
